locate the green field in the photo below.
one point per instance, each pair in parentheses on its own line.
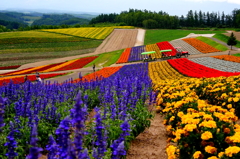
(212,43)
(106,59)
(155,36)
(224,38)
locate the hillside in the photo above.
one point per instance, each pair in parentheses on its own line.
(56,19)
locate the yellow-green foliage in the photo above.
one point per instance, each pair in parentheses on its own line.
(87,32)
(31,34)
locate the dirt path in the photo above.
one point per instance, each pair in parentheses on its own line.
(150,144)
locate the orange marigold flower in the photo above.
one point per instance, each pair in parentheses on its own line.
(206,135)
(210,149)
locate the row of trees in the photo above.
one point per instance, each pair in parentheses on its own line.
(151,20)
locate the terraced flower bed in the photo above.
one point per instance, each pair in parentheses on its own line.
(228,58)
(185,46)
(200,46)
(154,47)
(62,66)
(193,69)
(99,75)
(124,56)
(162,71)
(166,46)
(9,67)
(32,78)
(222,65)
(135,54)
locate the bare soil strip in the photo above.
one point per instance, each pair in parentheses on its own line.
(150,144)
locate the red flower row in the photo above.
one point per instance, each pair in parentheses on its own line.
(165,45)
(124,56)
(192,69)
(9,67)
(31,78)
(78,64)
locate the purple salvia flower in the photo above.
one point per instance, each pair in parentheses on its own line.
(11,143)
(79,116)
(63,134)
(118,148)
(52,148)
(34,152)
(2,107)
(101,136)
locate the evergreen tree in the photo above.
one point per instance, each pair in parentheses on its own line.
(232,40)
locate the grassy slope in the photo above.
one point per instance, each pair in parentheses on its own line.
(155,36)
(106,59)
(212,43)
(224,38)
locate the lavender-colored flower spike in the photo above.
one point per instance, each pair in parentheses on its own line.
(34,150)
(11,143)
(52,147)
(2,102)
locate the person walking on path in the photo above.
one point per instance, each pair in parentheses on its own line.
(94,67)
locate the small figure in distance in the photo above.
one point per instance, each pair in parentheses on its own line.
(37,74)
(93,67)
(39,79)
(25,79)
(229,52)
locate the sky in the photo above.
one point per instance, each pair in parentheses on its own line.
(172,7)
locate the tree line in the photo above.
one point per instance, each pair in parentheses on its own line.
(162,20)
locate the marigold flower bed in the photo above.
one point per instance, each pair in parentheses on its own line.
(200,46)
(124,56)
(200,128)
(228,58)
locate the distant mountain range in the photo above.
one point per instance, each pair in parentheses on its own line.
(22,18)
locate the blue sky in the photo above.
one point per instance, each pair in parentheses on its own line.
(172,7)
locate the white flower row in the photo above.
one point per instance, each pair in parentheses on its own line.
(185,46)
(222,65)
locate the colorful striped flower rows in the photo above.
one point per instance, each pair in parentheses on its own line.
(193,69)
(135,54)
(99,75)
(32,78)
(201,46)
(69,65)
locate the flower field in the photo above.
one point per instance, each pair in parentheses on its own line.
(200,116)
(222,65)
(69,65)
(193,69)
(135,54)
(9,67)
(88,32)
(124,56)
(154,47)
(165,46)
(20,79)
(57,118)
(228,58)
(99,75)
(201,46)
(184,46)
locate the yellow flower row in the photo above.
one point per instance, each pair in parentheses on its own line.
(60,66)
(26,70)
(159,71)
(154,47)
(87,32)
